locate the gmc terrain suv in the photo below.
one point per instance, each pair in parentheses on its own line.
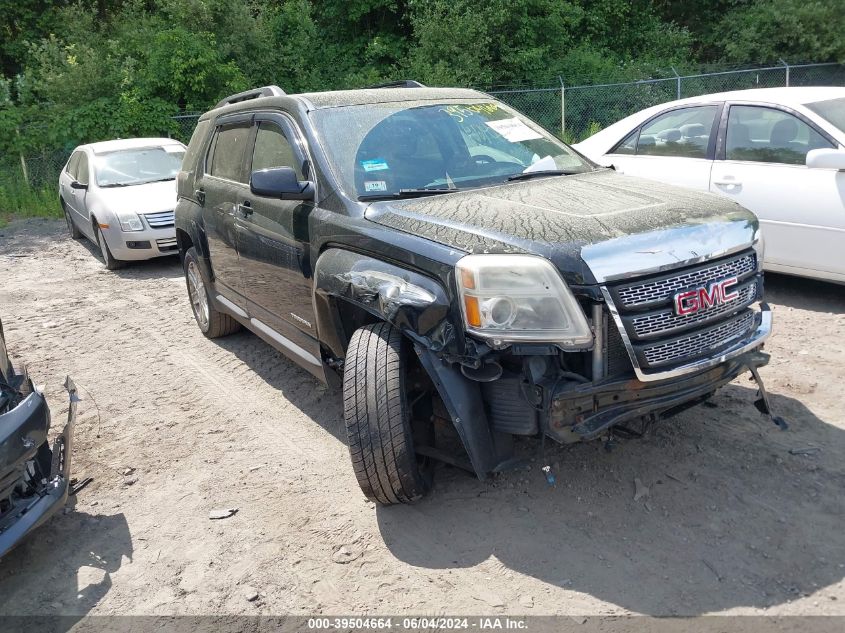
(456,264)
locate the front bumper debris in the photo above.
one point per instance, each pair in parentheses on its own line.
(34,478)
(585,411)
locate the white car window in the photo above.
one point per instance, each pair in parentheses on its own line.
(832,110)
(766,135)
(628,145)
(82,169)
(73,164)
(684,132)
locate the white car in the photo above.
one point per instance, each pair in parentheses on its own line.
(121,195)
(779,152)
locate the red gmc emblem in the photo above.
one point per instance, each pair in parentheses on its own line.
(697,299)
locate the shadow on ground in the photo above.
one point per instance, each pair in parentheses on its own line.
(805,294)
(732,519)
(75,554)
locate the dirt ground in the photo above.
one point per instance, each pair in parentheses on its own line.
(173,426)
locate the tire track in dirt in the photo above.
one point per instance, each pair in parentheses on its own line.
(210,424)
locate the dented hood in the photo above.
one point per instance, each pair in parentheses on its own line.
(594,227)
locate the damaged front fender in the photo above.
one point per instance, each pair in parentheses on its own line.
(34,478)
(416,304)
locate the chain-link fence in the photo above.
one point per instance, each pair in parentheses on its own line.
(571,112)
(575,112)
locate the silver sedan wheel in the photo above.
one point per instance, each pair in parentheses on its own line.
(199,298)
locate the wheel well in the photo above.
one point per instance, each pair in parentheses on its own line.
(184,242)
(352,317)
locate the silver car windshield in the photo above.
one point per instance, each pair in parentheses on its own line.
(124,168)
(391,148)
(832,110)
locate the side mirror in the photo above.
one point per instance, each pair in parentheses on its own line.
(826,159)
(280,182)
(77,185)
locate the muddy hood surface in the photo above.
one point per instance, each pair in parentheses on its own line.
(580,222)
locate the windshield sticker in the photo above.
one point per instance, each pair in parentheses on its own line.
(460,112)
(514,130)
(375,164)
(375,185)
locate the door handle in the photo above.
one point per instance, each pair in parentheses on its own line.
(727,182)
(245,207)
(199,194)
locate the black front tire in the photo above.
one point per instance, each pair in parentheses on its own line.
(211,321)
(108,259)
(378,417)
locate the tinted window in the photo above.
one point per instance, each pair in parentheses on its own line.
(273,149)
(190,159)
(228,157)
(628,145)
(684,133)
(82,168)
(769,136)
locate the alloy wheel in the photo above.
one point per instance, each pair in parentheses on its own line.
(199,298)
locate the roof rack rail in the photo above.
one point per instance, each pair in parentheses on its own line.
(400,83)
(255,93)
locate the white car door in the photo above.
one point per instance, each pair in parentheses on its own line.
(675,147)
(68,176)
(78,196)
(801,210)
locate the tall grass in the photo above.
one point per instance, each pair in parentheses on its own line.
(19,200)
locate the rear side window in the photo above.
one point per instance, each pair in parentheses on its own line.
(195,145)
(684,133)
(227,158)
(273,149)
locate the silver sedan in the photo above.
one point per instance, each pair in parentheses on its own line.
(121,195)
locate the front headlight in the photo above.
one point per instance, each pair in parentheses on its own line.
(129,221)
(508,298)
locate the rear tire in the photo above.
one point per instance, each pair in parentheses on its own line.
(109,260)
(75,233)
(378,417)
(211,322)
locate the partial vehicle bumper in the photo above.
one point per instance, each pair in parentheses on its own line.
(138,245)
(28,501)
(584,411)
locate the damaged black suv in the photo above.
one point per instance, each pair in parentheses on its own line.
(456,265)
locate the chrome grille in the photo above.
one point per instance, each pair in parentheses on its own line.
(639,294)
(666,321)
(166,244)
(699,343)
(160,220)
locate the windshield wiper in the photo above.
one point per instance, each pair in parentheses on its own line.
(406,193)
(545,172)
(137,182)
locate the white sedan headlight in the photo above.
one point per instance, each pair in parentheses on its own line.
(129,221)
(509,298)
